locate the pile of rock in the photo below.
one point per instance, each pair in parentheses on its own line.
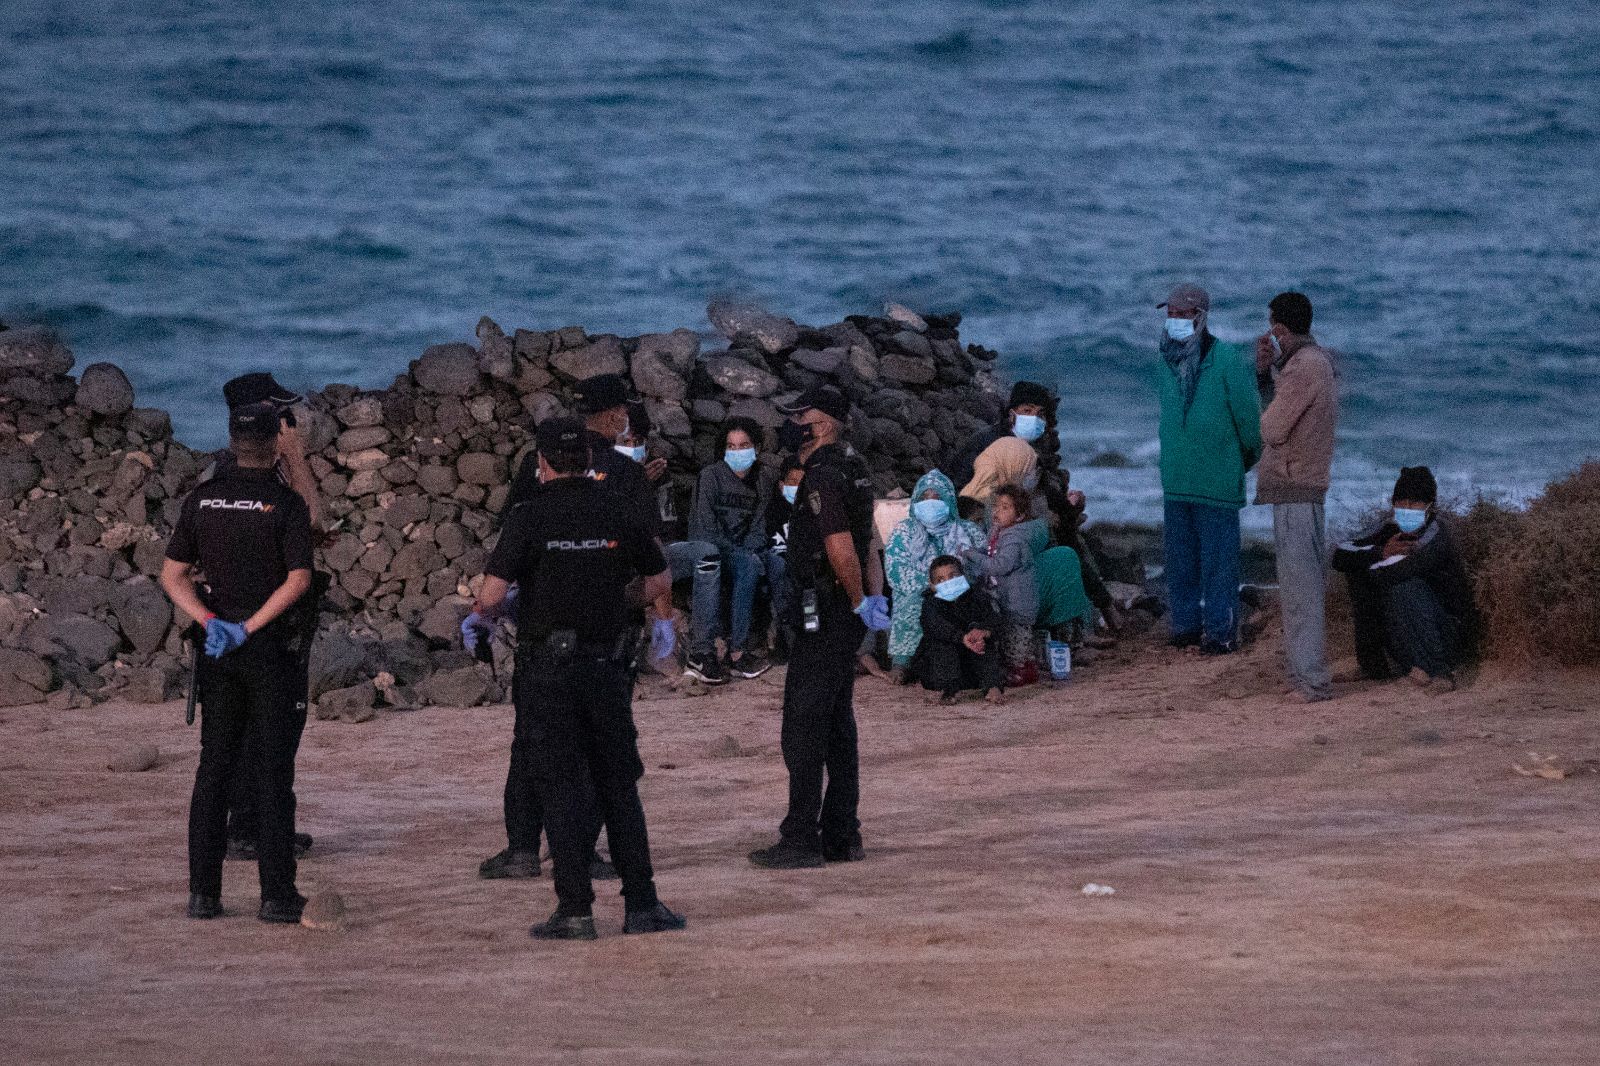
(412,476)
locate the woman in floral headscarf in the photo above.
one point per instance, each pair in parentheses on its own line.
(931,530)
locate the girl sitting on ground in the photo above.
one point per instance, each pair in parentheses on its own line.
(932,529)
(1006,566)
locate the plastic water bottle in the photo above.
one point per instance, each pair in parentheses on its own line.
(1060,660)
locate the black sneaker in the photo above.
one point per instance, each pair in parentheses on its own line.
(1184,640)
(601,870)
(509,863)
(565,927)
(784,856)
(1217,647)
(706,668)
(203,907)
(843,852)
(750,664)
(657,919)
(282,911)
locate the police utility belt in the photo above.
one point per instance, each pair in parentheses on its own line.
(563,646)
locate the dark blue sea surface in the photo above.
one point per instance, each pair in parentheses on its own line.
(196,189)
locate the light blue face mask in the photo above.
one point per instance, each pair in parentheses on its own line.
(1180,329)
(635,453)
(739,459)
(1028,427)
(952,589)
(791,492)
(1410,520)
(931,512)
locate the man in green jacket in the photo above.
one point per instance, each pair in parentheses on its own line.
(1210,435)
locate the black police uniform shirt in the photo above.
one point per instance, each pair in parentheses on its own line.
(835,497)
(246,531)
(607,466)
(573,546)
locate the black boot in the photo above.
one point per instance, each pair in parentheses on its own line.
(786,856)
(844,852)
(657,919)
(203,907)
(282,911)
(509,864)
(565,927)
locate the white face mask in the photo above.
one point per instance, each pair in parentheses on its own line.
(1180,329)
(791,492)
(1028,427)
(636,453)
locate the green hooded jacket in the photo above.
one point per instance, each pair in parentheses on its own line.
(1204,455)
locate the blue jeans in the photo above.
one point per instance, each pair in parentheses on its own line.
(699,560)
(1202,545)
(747,570)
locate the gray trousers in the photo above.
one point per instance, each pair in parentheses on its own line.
(1299,536)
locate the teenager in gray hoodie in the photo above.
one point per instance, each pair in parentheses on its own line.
(730,513)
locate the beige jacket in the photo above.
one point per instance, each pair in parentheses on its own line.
(1297,429)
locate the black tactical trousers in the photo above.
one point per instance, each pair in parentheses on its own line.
(819,734)
(577,716)
(244,817)
(524,812)
(254,690)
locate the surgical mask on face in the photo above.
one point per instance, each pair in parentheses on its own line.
(792,436)
(931,512)
(739,459)
(791,492)
(952,589)
(1028,427)
(1277,348)
(636,452)
(1180,329)
(1409,519)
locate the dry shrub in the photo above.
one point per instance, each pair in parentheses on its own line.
(1537,573)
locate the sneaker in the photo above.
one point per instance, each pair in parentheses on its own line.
(657,919)
(705,668)
(508,864)
(565,927)
(750,664)
(282,911)
(1217,647)
(844,852)
(203,907)
(1184,640)
(601,870)
(784,856)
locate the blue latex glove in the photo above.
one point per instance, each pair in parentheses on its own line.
(874,611)
(222,637)
(663,638)
(475,628)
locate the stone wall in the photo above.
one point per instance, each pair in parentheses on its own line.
(412,477)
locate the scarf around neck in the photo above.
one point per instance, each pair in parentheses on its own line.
(1184,359)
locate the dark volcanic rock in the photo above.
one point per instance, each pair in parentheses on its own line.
(773,333)
(447,370)
(88,640)
(36,351)
(105,389)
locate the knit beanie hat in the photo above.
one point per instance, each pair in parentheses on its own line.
(1416,483)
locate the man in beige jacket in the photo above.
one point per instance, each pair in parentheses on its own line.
(1296,376)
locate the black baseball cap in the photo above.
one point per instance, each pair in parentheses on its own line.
(601,393)
(639,419)
(562,435)
(1028,392)
(825,398)
(257,388)
(254,421)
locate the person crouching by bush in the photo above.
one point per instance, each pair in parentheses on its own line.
(730,513)
(1006,566)
(1408,590)
(958,650)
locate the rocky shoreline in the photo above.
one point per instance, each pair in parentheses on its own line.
(411,477)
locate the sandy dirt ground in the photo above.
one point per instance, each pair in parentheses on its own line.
(1362,881)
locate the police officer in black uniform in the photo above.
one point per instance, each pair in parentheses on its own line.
(250,536)
(290,468)
(603,401)
(573,547)
(830,554)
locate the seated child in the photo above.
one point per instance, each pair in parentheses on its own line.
(1006,566)
(1408,590)
(958,651)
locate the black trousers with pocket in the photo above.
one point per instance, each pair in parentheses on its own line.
(252,692)
(819,734)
